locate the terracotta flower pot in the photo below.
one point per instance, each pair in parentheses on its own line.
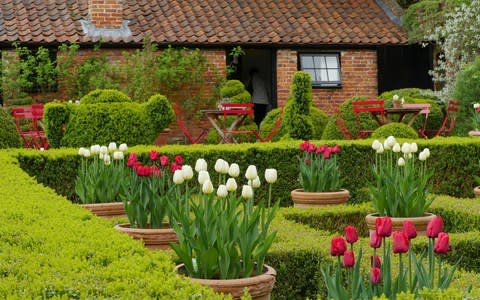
(303,199)
(259,287)
(476,190)
(106,210)
(153,238)
(397,223)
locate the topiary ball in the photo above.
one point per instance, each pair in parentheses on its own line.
(235,91)
(104,96)
(9,136)
(398,130)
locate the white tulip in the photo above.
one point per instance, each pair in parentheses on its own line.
(107,160)
(231,185)
(118,155)
(95,149)
(376,144)
(396,148)
(401,162)
(77,102)
(123,147)
(203,176)
(395,97)
(178,177)
(406,148)
(386,145)
(247,192)
(270,175)
(222,191)
(476,105)
(81,151)
(234,170)
(427,151)
(391,141)
(101,156)
(104,150)
(112,146)
(408,155)
(187,172)
(207,187)
(251,172)
(221,166)
(413,148)
(200,165)
(380,149)
(86,153)
(256,182)
(422,156)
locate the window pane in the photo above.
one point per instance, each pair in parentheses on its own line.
(320,62)
(322,75)
(311,72)
(332,62)
(333,75)
(306,61)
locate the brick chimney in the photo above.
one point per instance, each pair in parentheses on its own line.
(106,13)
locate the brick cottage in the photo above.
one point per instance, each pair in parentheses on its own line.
(350,47)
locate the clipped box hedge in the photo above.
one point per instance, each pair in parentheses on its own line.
(452,161)
(50,248)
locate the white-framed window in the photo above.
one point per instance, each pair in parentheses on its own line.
(324,68)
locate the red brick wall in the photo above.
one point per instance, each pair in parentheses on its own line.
(105,13)
(359,77)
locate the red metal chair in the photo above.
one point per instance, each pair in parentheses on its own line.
(28,120)
(451,115)
(181,124)
(425,111)
(375,108)
(342,126)
(242,111)
(274,130)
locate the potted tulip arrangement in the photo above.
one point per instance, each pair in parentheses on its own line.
(401,184)
(99,179)
(146,196)
(224,237)
(319,177)
(413,274)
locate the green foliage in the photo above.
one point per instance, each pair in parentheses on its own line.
(55,116)
(104,96)
(297,110)
(9,136)
(398,130)
(36,70)
(467,91)
(66,60)
(102,123)
(96,73)
(53,249)
(409,93)
(235,91)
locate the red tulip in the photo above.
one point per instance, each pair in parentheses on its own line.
(441,244)
(179,160)
(351,234)
(144,171)
(348,259)
(375,263)
(383,226)
(336,149)
(375,240)
(174,167)
(338,246)
(375,276)
(311,148)
(409,229)
(400,242)
(327,153)
(164,160)
(132,159)
(304,145)
(155,171)
(434,227)
(321,148)
(154,155)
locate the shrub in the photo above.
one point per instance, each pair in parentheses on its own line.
(104,96)
(297,110)
(235,91)
(101,123)
(467,90)
(9,136)
(398,130)
(409,93)
(53,249)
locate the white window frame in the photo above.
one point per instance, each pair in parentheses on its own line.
(325,82)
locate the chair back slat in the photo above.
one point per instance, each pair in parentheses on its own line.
(367,106)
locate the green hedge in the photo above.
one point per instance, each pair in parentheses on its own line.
(452,162)
(72,125)
(467,90)
(104,96)
(9,136)
(51,248)
(398,130)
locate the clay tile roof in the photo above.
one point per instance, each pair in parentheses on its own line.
(279,22)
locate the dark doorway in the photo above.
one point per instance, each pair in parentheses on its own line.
(404,67)
(264,61)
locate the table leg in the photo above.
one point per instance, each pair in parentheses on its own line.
(213,119)
(414,117)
